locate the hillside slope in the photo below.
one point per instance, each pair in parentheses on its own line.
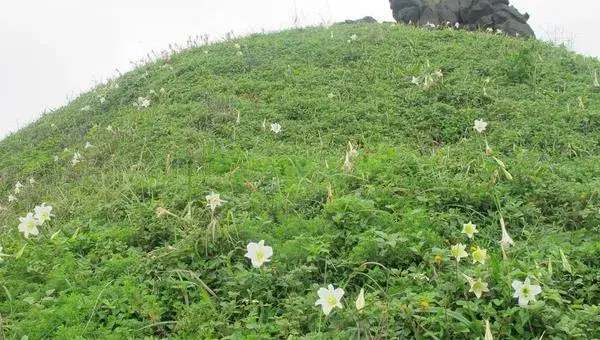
(133,250)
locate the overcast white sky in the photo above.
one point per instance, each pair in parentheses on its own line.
(52,50)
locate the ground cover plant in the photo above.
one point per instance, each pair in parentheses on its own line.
(354,181)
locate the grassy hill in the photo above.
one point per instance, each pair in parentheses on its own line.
(133,251)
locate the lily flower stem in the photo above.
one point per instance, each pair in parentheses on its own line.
(320,320)
(457,271)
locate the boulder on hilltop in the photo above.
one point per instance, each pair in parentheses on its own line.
(482,14)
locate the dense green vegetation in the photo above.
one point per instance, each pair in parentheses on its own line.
(111,264)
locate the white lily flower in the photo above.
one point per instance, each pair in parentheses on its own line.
(214,200)
(141,103)
(478,287)
(18,187)
(458,251)
(28,225)
(525,291)
(258,253)
(76,158)
(329,298)
(276,128)
(87,145)
(480,125)
(42,213)
(469,229)
(479,255)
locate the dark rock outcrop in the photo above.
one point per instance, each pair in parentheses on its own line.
(482,14)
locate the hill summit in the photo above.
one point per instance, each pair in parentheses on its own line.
(352,181)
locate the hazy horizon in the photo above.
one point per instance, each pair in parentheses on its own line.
(56,51)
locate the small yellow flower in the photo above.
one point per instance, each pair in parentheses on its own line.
(437,259)
(424,304)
